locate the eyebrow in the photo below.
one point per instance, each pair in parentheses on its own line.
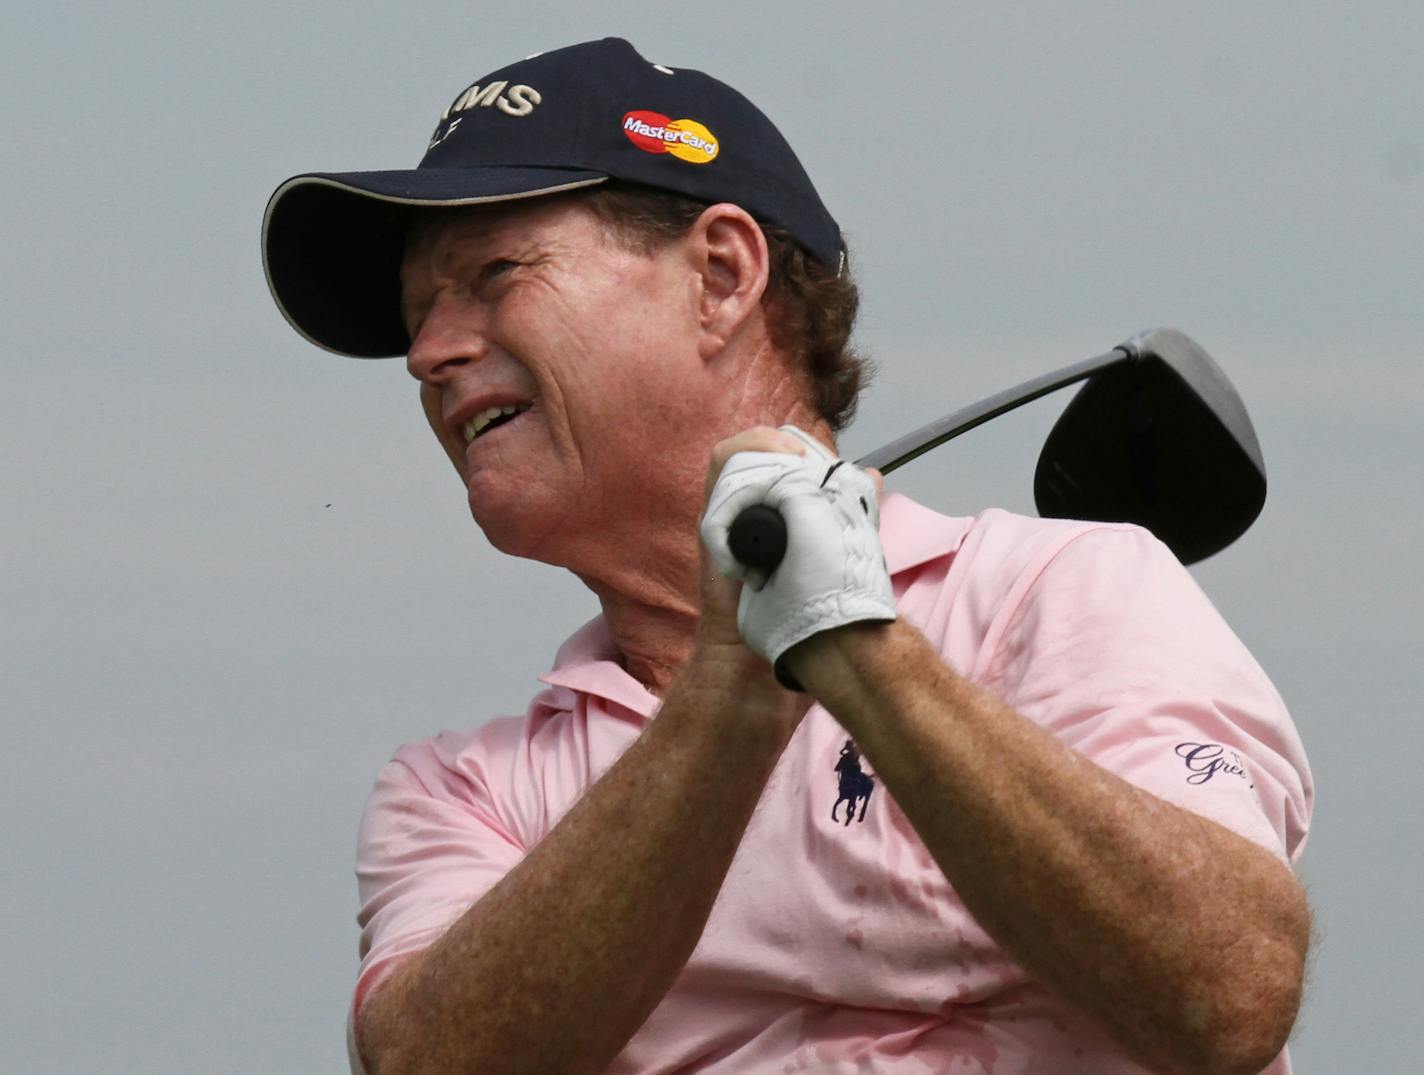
(474,245)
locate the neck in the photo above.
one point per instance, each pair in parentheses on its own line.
(650,599)
(655,641)
(651,608)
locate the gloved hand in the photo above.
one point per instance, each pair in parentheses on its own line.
(833,572)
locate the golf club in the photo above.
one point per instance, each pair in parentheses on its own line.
(1158,436)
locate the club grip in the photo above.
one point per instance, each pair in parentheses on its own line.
(757,537)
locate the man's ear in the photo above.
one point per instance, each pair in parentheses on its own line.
(730,257)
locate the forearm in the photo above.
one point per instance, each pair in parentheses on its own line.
(558,965)
(1183,940)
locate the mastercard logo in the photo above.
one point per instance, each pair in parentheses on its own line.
(685,139)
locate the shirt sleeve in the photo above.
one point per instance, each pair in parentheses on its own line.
(1111,646)
(431,844)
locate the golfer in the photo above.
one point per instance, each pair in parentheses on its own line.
(968,795)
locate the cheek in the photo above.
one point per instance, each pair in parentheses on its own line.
(558,340)
(430,404)
(609,359)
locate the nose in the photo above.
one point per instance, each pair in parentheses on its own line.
(450,337)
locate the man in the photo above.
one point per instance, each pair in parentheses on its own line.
(627,309)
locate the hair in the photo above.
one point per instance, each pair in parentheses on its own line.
(811,307)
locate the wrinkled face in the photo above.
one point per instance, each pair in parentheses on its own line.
(555,364)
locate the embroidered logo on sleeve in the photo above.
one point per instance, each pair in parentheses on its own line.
(855,784)
(1205,760)
(685,139)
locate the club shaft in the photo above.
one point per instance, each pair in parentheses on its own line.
(912,445)
(758,535)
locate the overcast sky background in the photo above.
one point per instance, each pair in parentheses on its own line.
(237,571)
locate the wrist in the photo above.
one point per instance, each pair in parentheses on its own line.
(736,687)
(841,667)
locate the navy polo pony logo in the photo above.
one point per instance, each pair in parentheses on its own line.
(856,785)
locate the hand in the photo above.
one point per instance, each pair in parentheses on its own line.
(721,588)
(834,571)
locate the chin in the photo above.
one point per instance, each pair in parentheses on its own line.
(512,524)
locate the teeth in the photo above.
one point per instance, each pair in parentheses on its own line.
(475,426)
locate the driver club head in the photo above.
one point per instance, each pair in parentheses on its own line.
(1161,440)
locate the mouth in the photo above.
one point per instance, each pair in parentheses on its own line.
(480,424)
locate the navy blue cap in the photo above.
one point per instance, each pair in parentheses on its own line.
(557,121)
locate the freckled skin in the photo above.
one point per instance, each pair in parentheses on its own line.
(562,318)
(638,366)
(1143,897)
(641,368)
(521,981)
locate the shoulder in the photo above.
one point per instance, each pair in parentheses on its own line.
(995,542)
(1002,544)
(448,762)
(1065,579)
(977,570)
(451,761)
(965,581)
(479,769)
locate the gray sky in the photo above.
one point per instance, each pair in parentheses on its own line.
(237,571)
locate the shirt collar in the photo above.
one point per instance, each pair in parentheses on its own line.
(911,534)
(589,661)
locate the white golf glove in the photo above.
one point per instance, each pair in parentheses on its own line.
(834,570)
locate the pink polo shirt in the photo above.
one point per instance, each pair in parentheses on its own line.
(840,947)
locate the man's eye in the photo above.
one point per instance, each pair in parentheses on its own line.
(498,268)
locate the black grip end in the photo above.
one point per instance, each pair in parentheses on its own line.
(757,538)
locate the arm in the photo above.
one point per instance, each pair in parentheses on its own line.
(1183,940)
(557,966)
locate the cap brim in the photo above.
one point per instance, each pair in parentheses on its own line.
(332,244)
